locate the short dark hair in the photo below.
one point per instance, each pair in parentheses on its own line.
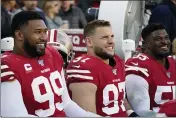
(151,28)
(89,29)
(22,18)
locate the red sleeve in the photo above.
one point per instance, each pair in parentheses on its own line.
(56,55)
(6,73)
(81,72)
(138,66)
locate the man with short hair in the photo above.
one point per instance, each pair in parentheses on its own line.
(151,75)
(96,80)
(32,75)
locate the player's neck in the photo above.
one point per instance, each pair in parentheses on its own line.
(106,61)
(160,60)
(94,55)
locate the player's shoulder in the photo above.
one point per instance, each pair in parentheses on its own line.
(171,59)
(140,60)
(6,56)
(82,69)
(138,64)
(7,73)
(51,50)
(52,53)
(84,61)
(118,59)
(172,62)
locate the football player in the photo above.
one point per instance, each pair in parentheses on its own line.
(32,76)
(151,75)
(60,41)
(96,80)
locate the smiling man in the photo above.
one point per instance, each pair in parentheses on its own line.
(32,75)
(96,80)
(151,76)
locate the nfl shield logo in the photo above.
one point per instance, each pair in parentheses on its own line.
(41,62)
(168,74)
(114,71)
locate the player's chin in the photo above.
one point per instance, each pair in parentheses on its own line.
(41,52)
(110,54)
(165,53)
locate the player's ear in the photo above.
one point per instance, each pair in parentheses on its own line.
(88,42)
(145,44)
(19,35)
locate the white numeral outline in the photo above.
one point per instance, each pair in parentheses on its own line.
(49,95)
(106,101)
(141,57)
(81,59)
(158,95)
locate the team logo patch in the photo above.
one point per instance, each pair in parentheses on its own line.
(168,74)
(114,71)
(41,62)
(28,67)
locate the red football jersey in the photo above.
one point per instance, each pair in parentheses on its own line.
(161,81)
(110,82)
(169,108)
(40,80)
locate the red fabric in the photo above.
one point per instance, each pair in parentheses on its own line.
(109,81)
(96,4)
(35,77)
(161,81)
(169,108)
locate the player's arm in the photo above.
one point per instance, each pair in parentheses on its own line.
(84,94)
(137,89)
(137,85)
(73,109)
(12,104)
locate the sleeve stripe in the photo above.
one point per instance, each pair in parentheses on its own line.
(77,71)
(11,78)
(80,76)
(6,73)
(4,67)
(143,70)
